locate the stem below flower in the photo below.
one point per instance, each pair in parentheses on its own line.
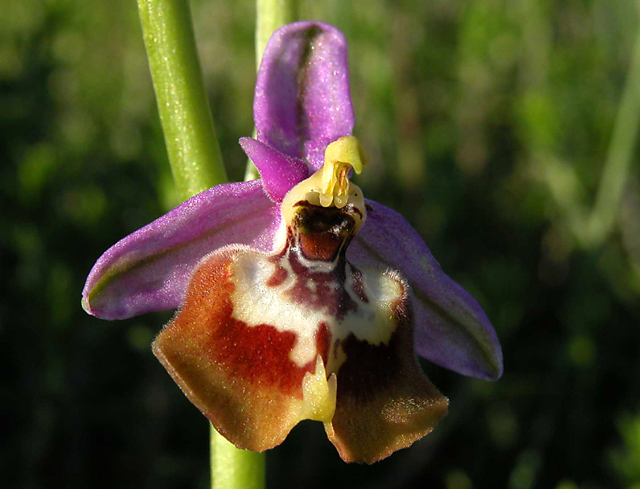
(232,468)
(194,153)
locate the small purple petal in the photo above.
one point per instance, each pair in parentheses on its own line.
(279,172)
(302,100)
(149,269)
(451,329)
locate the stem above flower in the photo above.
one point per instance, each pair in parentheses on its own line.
(270,15)
(194,153)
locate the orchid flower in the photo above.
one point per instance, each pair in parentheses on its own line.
(298,298)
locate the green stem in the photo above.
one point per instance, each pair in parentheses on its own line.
(232,468)
(194,153)
(270,15)
(196,163)
(620,155)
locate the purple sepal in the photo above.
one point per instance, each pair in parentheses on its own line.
(149,269)
(279,172)
(302,100)
(451,329)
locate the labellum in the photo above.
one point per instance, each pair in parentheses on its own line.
(265,340)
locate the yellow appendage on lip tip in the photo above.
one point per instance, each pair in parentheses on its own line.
(339,157)
(319,394)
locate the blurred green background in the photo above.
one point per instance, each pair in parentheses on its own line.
(495,126)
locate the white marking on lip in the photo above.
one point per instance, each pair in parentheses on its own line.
(256,303)
(311,285)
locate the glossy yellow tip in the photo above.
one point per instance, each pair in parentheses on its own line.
(339,157)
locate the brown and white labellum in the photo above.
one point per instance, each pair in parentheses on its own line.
(263,341)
